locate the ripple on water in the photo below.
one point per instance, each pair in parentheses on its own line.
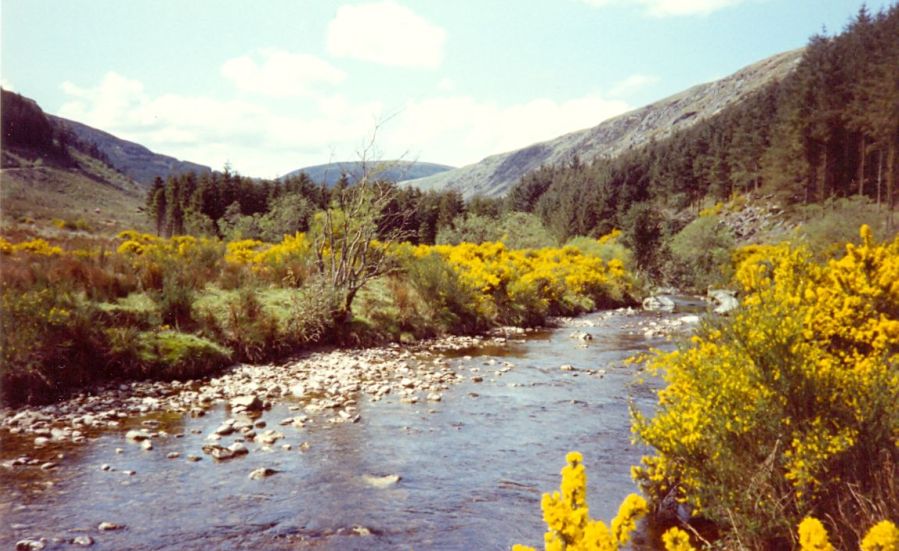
(471,468)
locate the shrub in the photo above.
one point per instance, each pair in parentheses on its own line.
(568,521)
(48,343)
(175,355)
(700,254)
(443,301)
(789,407)
(251,331)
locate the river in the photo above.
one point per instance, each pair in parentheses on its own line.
(472,467)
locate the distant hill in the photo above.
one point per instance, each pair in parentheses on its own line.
(393,171)
(132,159)
(495,175)
(48,175)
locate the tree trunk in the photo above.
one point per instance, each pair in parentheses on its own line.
(891,180)
(861,164)
(879,175)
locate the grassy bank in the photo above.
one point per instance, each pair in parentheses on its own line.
(79,310)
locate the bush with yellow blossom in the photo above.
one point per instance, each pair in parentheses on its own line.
(524,286)
(790,406)
(567,516)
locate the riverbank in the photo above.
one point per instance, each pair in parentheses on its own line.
(408,471)
(326,380)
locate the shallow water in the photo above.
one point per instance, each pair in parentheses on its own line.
(472,467)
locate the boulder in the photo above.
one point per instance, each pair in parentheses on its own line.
(249,402)
(724,300)
(658,303)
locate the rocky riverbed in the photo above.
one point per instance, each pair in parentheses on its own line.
(253,421)
(328,385)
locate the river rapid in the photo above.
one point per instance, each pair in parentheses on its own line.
(457,462)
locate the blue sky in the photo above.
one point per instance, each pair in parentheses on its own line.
(273,85)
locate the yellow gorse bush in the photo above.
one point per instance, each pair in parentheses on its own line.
(772,413)
(883,536)
(813,536)
(550,280)
(38,247)
(569,526)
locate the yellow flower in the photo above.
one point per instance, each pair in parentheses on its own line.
(676,539)
(813,535)
(883,536)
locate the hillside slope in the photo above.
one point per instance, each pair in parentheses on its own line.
(393,171)
(495,175)
(48,176)
(132,159)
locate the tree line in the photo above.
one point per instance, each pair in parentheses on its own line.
(828,130)
(228,205)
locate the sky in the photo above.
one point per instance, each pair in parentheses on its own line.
(270,86)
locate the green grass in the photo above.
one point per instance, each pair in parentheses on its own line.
(37,194)
(176,355)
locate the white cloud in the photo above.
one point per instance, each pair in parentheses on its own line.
(256,140)
(463,130)
(7,85)
(666,8)
(260,141)
(632,84)
(386,33)
(281,73)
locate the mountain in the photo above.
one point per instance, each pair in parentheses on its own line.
(131,159)
(48,176)
(393,171)
(495,175)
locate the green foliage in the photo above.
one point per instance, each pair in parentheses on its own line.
(642,232)
(828,129)
(48,343)
(700,255)
(177,355)
(441,300)
(827,225)
(287,215)
(518,230)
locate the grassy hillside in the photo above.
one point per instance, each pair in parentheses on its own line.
(89,195)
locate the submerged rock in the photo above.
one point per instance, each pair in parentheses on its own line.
(381,482)
(658,303)
(136,436)
(262,472)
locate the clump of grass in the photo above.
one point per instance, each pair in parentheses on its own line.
(177,355)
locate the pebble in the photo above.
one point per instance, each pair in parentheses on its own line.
(83,541)
(29,545)
(173,455)
(106,526)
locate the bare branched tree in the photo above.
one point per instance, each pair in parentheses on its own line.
(352,237)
